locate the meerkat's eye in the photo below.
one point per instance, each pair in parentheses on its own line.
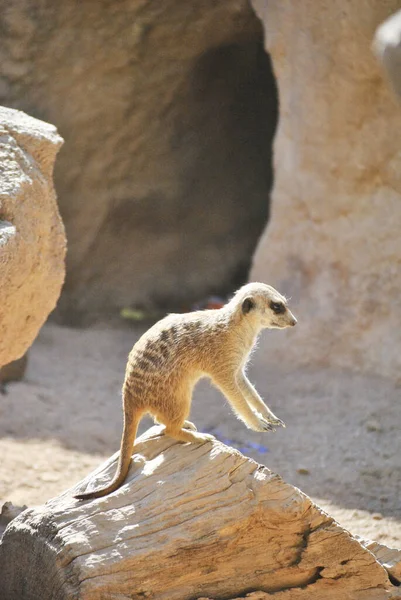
(277,307)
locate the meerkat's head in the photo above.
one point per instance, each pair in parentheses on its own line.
(263,306)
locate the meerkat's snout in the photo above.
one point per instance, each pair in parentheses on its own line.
(280,316)
(292,320)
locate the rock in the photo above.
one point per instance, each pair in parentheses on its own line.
(303,471)
(15,370)
(164,178)
(8,513)
(333,242)
(190,522)
(32,242)
(373,425)
(387,46)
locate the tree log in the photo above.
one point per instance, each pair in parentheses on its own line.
(190,522)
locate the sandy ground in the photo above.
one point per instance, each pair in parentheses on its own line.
(341,446)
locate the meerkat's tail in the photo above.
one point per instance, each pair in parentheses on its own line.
(131,422)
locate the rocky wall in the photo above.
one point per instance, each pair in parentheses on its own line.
(32,240)
(168,110)
(333,243)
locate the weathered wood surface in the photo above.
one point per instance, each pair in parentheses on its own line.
(191,522)
(390,558)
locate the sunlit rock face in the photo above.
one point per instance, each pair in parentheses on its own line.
(333,243)
(32,240)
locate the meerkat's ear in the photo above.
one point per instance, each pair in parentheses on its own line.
(247,305)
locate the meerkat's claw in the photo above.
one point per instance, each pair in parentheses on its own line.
(263,425)
(268,427)
(190,425)
(271,423)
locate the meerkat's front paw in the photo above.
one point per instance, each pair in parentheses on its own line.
(271,423)
(260,425)
(278,422)
(266,426)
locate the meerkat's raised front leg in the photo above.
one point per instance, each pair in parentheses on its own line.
(242,409)
(256,401)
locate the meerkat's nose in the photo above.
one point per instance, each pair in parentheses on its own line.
(293,320)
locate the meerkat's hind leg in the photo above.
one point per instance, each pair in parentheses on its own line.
(177,426)
(180,434)
(186,425)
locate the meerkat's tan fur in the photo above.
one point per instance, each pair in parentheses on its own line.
(167,361)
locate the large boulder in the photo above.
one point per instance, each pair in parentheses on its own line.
(14,371)
(32,241)
(168,111)
(190,522)
(333,243)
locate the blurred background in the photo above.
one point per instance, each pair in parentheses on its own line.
(208,144)
(168,112)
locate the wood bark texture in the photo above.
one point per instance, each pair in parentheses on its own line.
(190,522)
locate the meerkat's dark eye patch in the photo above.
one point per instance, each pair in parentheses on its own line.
(247,305)
(277,307)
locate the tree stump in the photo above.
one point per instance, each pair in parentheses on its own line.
(190,522)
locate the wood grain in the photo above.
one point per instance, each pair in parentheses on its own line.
(191,522)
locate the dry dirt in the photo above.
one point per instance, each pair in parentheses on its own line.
(341,445)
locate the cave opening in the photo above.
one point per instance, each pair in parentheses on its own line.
(226,136)
(176,219)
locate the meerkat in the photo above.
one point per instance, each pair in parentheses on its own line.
(168,360)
